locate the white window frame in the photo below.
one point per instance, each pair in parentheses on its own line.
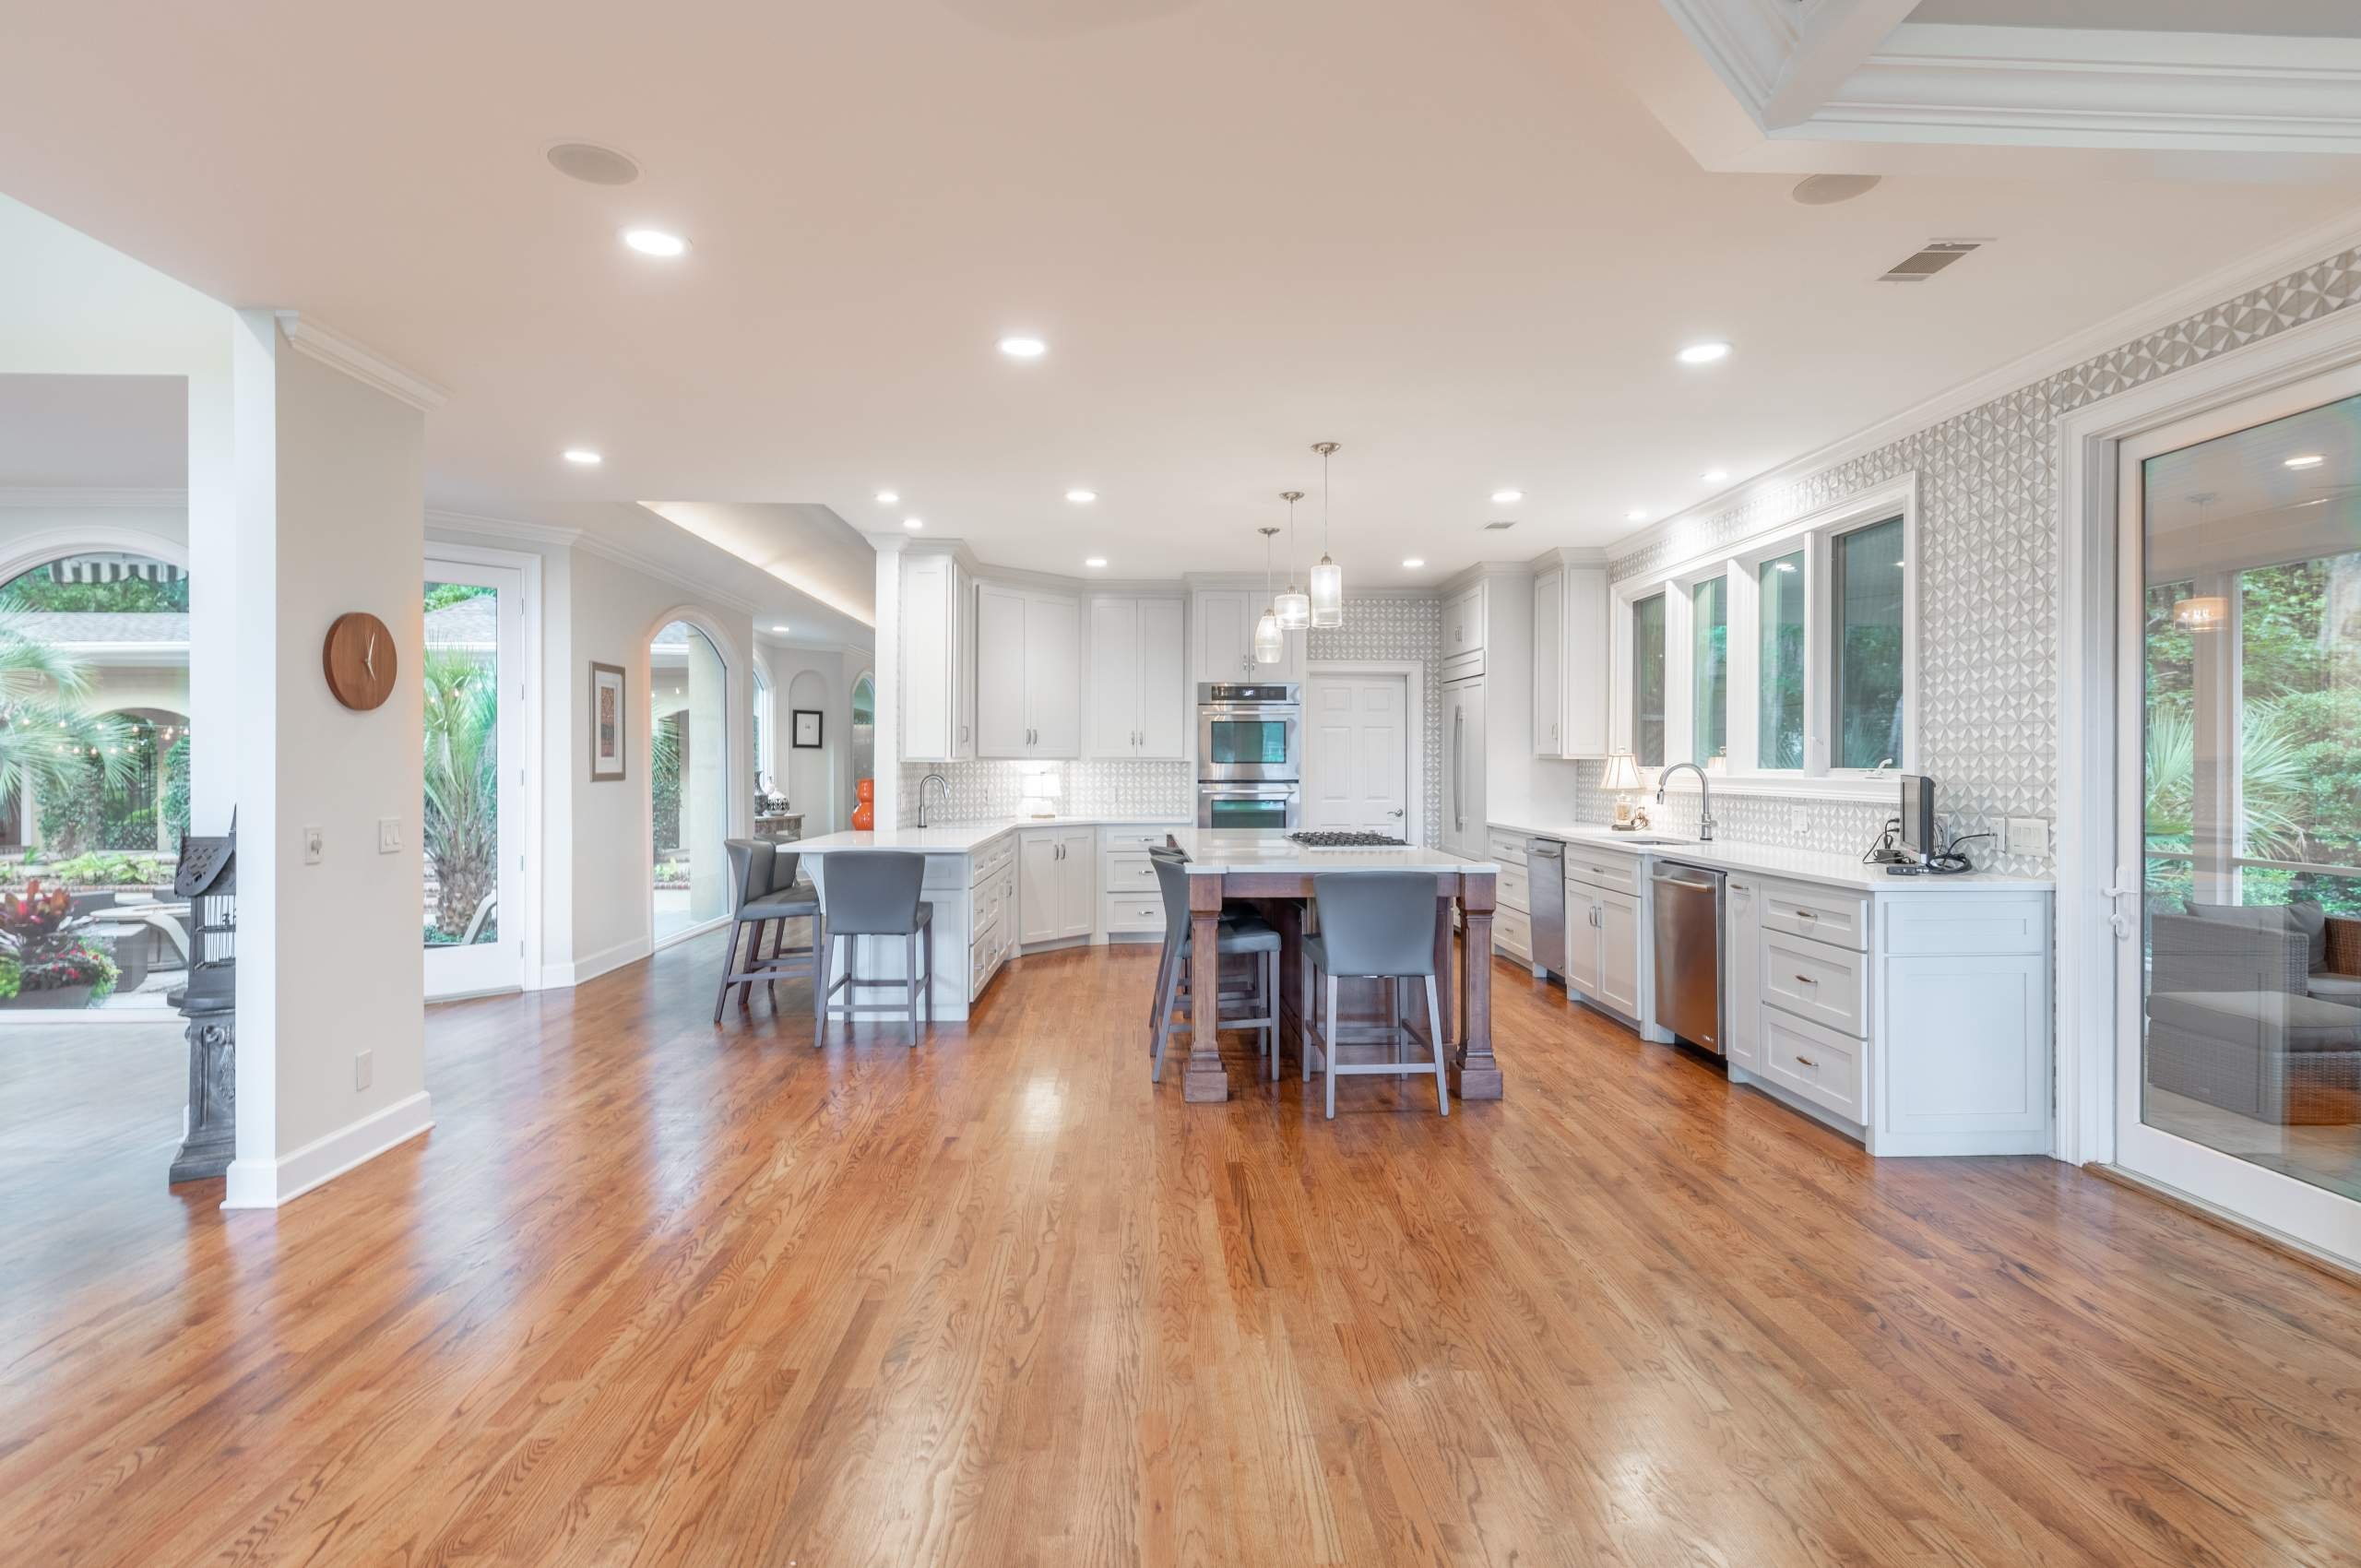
(1739,563)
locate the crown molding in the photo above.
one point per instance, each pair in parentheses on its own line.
(2152,316)
(1468,577)
(507,528)
(1569,555)
(705,592)
(88,498)
(363,363)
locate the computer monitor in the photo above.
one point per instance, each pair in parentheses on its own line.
(1918,816)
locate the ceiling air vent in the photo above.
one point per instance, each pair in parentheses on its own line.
(1496,527)
(1937,255)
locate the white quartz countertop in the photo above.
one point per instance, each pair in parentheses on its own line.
(1772,860)
(961,837)
(1231,850)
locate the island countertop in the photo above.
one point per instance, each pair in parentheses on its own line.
(1234,851)
(959,837)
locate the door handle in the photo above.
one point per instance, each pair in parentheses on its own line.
(2117,922)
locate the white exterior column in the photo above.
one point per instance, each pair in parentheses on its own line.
(888,665)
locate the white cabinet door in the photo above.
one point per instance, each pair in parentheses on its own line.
(931,672)
(1077,881)
(1040,893)
(1619,952)
(1001,727)
(1462,623)
(1224,636)
(1164,701)
(1053,674)
(1549,663)
(1582,940)
(1463,779)
(1583,630)
(1113,726)
(1741,976)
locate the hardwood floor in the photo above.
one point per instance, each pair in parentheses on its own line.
(656,1293)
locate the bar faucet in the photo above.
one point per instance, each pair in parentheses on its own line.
(930,778)
(1704,797)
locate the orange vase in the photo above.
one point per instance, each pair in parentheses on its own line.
(864,813)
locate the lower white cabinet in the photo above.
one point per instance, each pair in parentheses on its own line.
(1619,952)
(1130,900)
(1512,933)
(1604,926)
(1056,883)
(1742,972)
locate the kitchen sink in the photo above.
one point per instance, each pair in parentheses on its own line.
(1649,838)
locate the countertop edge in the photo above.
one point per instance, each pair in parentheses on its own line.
(1765,860)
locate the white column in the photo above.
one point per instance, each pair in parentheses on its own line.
(888,666)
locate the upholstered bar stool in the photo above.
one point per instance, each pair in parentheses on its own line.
(762,890)
(872,893)
(1176,978)
(1375,926)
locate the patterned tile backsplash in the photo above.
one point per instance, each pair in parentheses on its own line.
(979,790)
(1398,631)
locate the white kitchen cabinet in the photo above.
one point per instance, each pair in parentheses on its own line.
(1224,638)
(938,687)
(1139,699)
(1463,628)
(1464,829)
(1606,940)
(1029,668)
(1619,952)
(1582,940)
(1057,877)
(1742,972)
(1569,661)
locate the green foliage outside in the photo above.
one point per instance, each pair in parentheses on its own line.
(664,780)
(45,736)
(34,590)
(461,828)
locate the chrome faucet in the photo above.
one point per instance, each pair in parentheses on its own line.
(1704,797)
(930,778)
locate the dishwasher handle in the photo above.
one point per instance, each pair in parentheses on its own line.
(1704,886)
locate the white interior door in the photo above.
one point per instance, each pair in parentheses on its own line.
(1357,753)
(470,823)
(2238,836)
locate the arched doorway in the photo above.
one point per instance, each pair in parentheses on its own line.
(688,779)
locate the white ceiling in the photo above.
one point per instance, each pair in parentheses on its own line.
(2287,18)
(93,432)
(1439,232)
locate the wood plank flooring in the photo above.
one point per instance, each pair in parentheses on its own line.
(655,1293)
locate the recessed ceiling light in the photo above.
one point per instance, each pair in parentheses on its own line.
(591,164)
(2307,460)
(1023,348)
(1412,563)
(1635,516)
(655,242)
(1704,354)
(1080,496)
(780,630)
(1827,190)
(583,455)
(1507,497)
(914,523)
(1096,561)
(886,498)
(1715,476)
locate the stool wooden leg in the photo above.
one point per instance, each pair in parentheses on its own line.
(1330,1054)
(1434,1034)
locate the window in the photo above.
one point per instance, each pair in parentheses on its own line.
(1790,659)
(1709,668)
(1865,571)
(1779,663)
(1647,681)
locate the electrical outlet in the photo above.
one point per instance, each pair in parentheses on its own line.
(389,835)
(1800,822)
(2028,836)
(313,846)
(363,1067)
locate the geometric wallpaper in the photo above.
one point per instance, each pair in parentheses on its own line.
(1987,536)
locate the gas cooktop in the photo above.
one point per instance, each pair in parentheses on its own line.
(1343,840)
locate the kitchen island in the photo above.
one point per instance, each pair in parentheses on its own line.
(1224,864)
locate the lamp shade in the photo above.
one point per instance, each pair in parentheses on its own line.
(1327,594)
(1270,647)
(1622,773)
(1293,609)
(2205,613)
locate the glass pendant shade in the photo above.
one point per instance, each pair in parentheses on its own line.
(1269,645)
(1327,594)
(1293,609)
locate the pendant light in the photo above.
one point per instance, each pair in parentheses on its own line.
(1293,607)
(1327,579)
(1269,645)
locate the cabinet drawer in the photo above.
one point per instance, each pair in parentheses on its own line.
(1464,664)
(989,861)
(1512,933)
(1515,891)
(1817,1064)
(1125,914)
(1813,980)
(1128,874)
(1505,847)
(1610,868)
(1822,913)
(1131,840)
(1967,922)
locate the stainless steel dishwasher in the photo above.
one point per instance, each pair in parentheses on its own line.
(1545,893)
(1686,901)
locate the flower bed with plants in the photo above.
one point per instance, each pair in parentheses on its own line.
(46,956)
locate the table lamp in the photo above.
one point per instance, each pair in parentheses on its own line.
(1043,788)
(1622,776)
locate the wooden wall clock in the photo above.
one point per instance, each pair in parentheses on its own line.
(359,659)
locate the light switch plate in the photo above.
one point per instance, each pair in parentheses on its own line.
(2028,836)
(389,835)
(363,1068)
(313,846)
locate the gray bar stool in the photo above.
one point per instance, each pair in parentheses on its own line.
(872,893)
(1176,976)
(762,889)
(1380,925)
(1234,911)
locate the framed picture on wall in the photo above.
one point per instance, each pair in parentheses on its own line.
(807,728)
(605,723)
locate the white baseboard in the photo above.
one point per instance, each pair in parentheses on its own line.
(268,1184)
(690,934)
(558,976)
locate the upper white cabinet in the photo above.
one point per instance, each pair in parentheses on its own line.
(1225,620)
(1029,668)
(1462,631)
(938,691)
(1569,661)
(1138,677)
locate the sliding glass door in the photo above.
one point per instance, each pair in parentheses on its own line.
(2238,1057)
(469,822)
